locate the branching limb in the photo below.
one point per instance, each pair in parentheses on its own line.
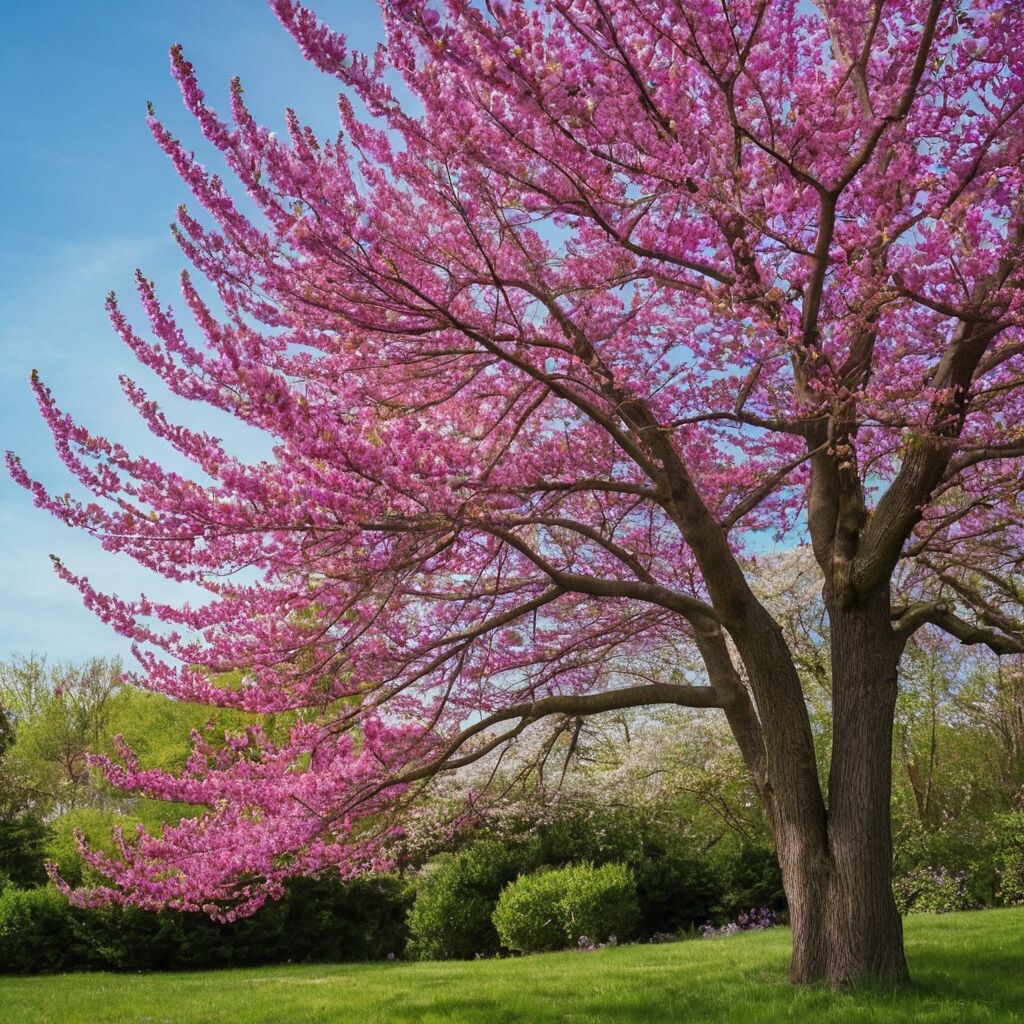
(908,619)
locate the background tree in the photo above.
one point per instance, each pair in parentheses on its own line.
(543,355)
(60,714)
(62,717)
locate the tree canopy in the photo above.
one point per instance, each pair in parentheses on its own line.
(546,353)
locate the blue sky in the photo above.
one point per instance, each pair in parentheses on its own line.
(85,198)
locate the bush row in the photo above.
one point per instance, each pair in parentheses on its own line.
(962,867)
(319,920)
(678,886)
(443,911)
(492,895)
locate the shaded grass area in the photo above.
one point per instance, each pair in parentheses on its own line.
(966,967)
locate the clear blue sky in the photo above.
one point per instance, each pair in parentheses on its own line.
(85,198)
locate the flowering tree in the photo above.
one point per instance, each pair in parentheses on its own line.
(545,355)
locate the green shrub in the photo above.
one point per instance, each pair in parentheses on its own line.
(455,898)
(116,938)
(600,836)
(554,909)
(745,876)
(970,847)
(360,919)
(529,917)
(678,888)
(36,931)
(682,880)
(1009,859)
(22,840)
(599,903)
(319,920)
(931,890)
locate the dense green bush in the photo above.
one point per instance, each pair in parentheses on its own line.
(35,930)
(318,921)
(528,916)
(455,897)
(929,890)
(1009,859)
(595,835)
(599,903)
(23,838)
(361,919)
(677,889)
(555,909)
(744,876)
(683,880)
(124,939)
(969,848)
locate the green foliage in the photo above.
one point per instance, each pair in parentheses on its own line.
(745,876)
(528,916)
(324,921)
(599,903)
(965,846)
(1009,859)
(159,729)
(22,841)
(124,939)
(36,931)
(6,728)
(96,823)
(930,890)
(677,888)
(681,884)
(318,921)
(553,909)
(61,849)
(52,717)
(60,712)
(600,835)
(455,897)
(683,880)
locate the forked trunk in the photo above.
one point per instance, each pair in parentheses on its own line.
(845,924)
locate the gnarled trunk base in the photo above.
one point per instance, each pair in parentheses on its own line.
(845,931)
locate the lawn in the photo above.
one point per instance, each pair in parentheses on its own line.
(967,967)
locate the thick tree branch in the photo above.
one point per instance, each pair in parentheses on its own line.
(907,620)
(526,714)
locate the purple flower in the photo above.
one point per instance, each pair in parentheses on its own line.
(756,919)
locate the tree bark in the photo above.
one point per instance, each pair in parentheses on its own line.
(864,928)
(846,927)
(838,878)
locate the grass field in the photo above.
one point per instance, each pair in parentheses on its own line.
(967,967)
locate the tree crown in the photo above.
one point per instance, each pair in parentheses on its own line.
(545,354)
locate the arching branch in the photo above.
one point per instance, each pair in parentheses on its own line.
(908,619)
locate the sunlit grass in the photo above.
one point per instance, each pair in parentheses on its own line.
(967,967)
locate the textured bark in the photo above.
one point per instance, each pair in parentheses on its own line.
(805,877)
(864,928)
(845,924)
(791,792)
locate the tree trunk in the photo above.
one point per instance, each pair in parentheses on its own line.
(865,930)
(845,924)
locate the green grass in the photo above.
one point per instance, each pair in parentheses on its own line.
(966,967)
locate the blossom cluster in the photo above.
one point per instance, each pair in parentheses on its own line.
(756,919)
